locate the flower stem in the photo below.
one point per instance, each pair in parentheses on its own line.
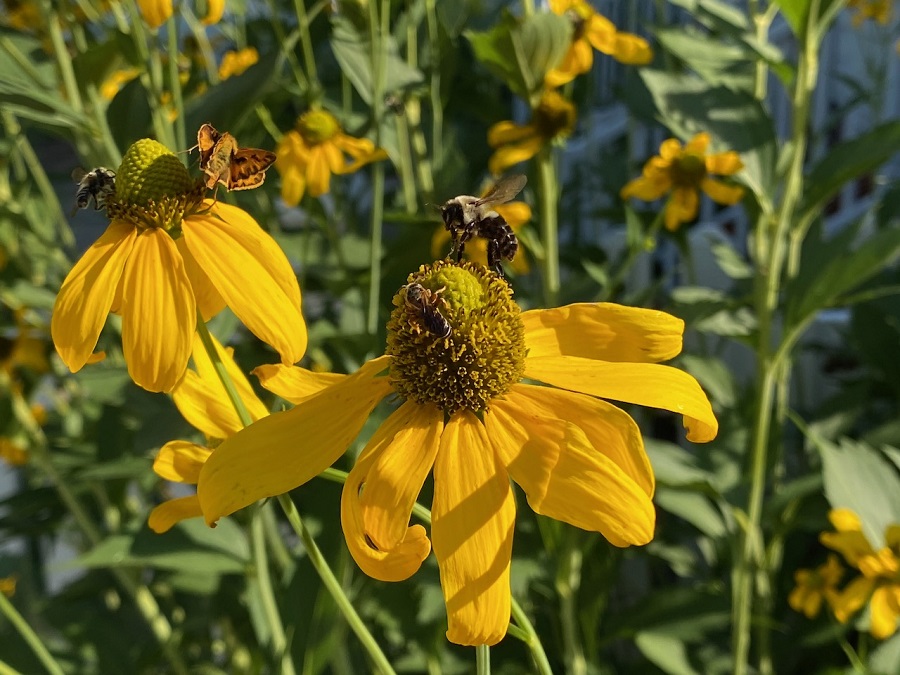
(334,587)
(175,82)
(533,641)
(21,625)
(549,196)
(483,660)
(309,59)
(568,581)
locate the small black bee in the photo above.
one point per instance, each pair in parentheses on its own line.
(466,217)
(95,185)
(427,303)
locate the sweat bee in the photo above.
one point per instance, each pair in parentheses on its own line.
(428,303)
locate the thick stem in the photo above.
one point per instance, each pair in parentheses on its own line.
(549,195)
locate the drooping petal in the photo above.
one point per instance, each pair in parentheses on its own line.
(318,175)
(180,461)
(681,207)
(155,12)
(724,163)
(252,274)
(579,59)
(503,133)
(648,384)
(601,33)
(510,155)
(284,450)
(670,149)
(159,314)
(395,564)
(209,301)
(405,458)
(214,11)
(645,188)
(168,514)
(720,192)
(473,518)
(568,478)
(205,408)
(603,330)
(87,294)
(852,598)
(293,383)
(632,50)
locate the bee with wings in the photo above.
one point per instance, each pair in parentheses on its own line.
(223,161)
(427,304)
(95,185)
(467,216)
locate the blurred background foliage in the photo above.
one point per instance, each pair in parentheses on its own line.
(790,298)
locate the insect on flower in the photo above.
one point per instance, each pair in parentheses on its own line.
(223,161)
(427,304)
(95,185)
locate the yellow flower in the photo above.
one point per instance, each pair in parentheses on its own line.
(12,452)
(8,586)
(26,350)
(113,84)
(879,584)
(168,255)
(235,63)
(553,118)
(468,414)
(214,11)
(155,12)
(814,586)
(684,172)
(309,155)
(516,215)
(593,31)
(877,10)
(23,15)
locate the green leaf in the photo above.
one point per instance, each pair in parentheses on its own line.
(521,51)
(729,260)
(353,51)
(847,161)
(688,105)
(666,652)
(712,59)
(711,311)
(673,465)
(694,508)
(795,12)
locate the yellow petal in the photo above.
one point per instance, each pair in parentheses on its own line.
(439,241)
(849,601)
(883,609)
(155,12)
(601,32)
(252,274)
(515,214)
(396,564)
(845,520)
(510,155)
(205,407)
(406,454)
(169,513)
(180,461)
(565,475)
(293,383)
(724,163)
(648,384)
(681,207)
(577,60)
(670,149)
(214,11)
(698,144)
(503,133)
(632,50)
(603,330)
(318,175)
(87,295)
(209,301)
(285,450)
(473,518)
(293,186)
(721,192)
(645,189)
(159,314)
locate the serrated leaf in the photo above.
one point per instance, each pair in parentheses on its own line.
(521,51)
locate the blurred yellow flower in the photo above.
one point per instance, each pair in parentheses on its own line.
(214,11)
(877,10)
(684,172)
(155,12)
(26,349)
(13,452)
(468,415)
(516,214)
(879,584)
(8,586)
(235,63)
(113,84)
(167,256)
(309,155)
(593,31)
(814,586)
(553,118)
(23,15)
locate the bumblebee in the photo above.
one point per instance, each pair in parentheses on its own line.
(467,216)
(95,185)
(427,304)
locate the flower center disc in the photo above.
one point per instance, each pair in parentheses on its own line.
(471,352)
(317,126)
(688,170)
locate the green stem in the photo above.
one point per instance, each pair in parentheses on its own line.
(434,85)
(533,641)
(6,669)
(175,82)
(151,77)
(309,59)
(31,638)
(549,196)
(648,244)
(568,581)
(334,587)
(483,660)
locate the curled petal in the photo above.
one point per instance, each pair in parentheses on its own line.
(632,50)
(165,516)
(603,330)
(473,518)
(293,383)
(87,295)
(884,608)
(214,11)
(649,384)
(159,313)
(180,461)
(284,450)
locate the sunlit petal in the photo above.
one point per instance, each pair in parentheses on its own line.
(293,383)
(503,133)
(473,516)
(180,461)
(209,301)
(883,614)
(850,600)
(318,175)
(681,207)
(724,163)
(170,513)
(214,11)
(722,192)
(155,12)
(510,155)
(210,375)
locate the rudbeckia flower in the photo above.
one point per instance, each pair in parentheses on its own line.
(516,215)
(815,586)
(593,31)
(469,416)
(155,12)
(553,118)
(308,155)
(235,63)
(879,584)
(684,172)
(168,255)
(877,10)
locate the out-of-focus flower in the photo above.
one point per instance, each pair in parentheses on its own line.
(593,31)
(13,452)
(469,415)
(309,154)
(155,12)
(167,255)
(815,586)
(8,586)
(877,10)
(553,118)
(235,63)
(25,349)
(879,583)
(113,84)
(214,11)
(23,15)
(516,214)
(684,172)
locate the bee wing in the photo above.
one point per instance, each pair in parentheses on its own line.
(504,190)
(78,173)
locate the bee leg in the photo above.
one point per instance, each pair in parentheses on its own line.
(493,257)
(460,247)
